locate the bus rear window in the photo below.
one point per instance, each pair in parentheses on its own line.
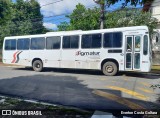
(10,44)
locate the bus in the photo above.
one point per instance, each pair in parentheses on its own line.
(108,50)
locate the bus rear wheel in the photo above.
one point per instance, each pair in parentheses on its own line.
(110,68)
(37,65)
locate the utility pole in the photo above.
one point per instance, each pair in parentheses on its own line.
(102,6)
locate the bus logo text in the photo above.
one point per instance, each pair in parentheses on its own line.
(86,53)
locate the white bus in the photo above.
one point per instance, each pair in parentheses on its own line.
(109,50)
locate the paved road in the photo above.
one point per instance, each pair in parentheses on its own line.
(81,88)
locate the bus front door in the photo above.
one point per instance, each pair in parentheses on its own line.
(133,51)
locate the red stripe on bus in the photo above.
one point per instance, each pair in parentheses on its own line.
(14,57)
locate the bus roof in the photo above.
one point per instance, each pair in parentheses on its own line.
(64,31)
(79,32)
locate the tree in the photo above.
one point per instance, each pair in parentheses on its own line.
(132,2)
(20,18)
(88,19)
(5,16)
(130,17)
(82,19)
(4,10)
(64,26)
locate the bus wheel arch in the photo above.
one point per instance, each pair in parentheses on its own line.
(110,67)
(37,64)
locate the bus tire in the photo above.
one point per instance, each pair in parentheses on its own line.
(37,65)
(110,68)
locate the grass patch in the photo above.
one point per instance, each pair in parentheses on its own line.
(155,67)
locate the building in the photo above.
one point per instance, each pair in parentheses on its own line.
(155,10)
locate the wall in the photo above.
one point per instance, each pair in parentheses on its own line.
(155,10)
(156,58)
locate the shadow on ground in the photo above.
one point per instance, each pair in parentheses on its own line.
(96,72)
(63,90)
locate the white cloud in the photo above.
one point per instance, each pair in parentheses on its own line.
(50,26)
(62,7)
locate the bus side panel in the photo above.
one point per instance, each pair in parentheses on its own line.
(117,56)
(8,57)
(37,54)
(16,57)
(23,58)
(88,58)
(68,58)
(52,58)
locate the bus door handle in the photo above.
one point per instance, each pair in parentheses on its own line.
(122,54)
(129,50)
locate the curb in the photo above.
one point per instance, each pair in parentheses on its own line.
(10,65)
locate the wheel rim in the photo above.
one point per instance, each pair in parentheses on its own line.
(109,69)
(37,65)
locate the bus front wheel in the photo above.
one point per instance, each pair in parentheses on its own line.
(110,68)
(37,65)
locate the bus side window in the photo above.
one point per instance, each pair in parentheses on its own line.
(129,44)
(38,43)
(112,40)
(145,45)
(23,44)
(53,42)
(86,41)
(137,43)
(10,44)
(91,41)
(70,42)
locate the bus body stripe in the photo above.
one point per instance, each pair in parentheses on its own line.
(18,57)
(14,57)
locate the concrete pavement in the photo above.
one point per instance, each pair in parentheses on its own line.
(80,88)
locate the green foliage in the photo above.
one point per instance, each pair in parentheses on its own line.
(20,18)
(131,2)
(82,18)
(88,19)
(5,10)
(130,17)
(64,26)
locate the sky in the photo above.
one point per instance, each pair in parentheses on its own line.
(58,10)
(62,7)
(54,10)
